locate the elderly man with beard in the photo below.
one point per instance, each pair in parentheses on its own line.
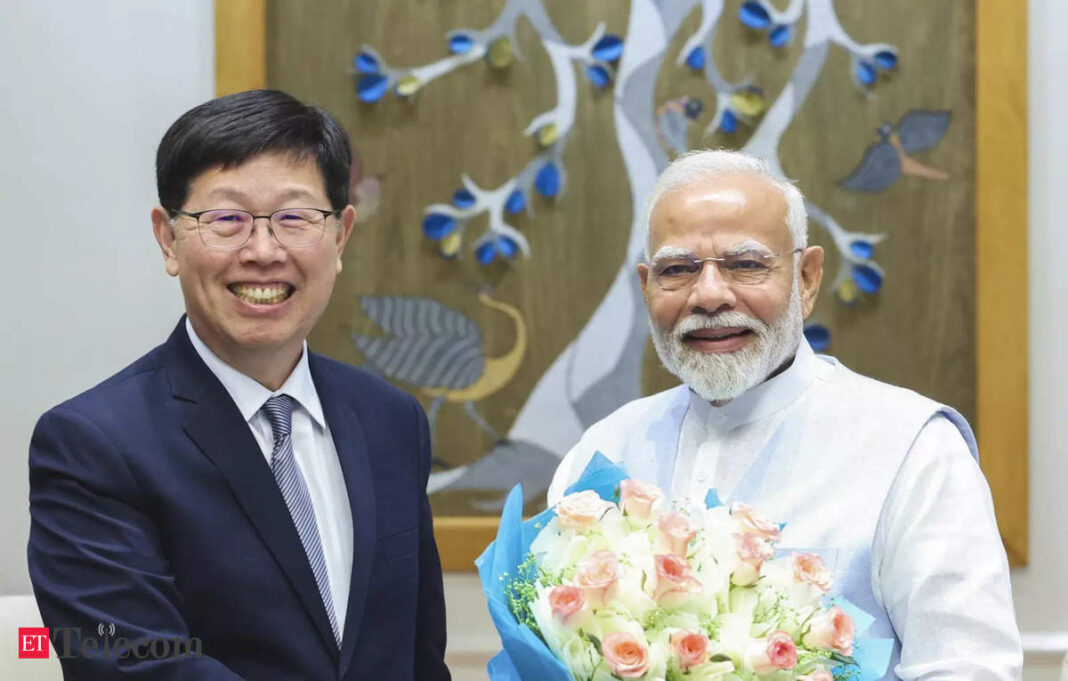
(881,482)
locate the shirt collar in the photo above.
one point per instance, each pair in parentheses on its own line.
(762,400)
(248,394)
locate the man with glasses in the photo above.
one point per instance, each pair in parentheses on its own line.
(231,505)
(879,482)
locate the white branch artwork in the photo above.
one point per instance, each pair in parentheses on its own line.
(546,173)
(601,368)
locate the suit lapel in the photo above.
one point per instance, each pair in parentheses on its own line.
(215,424)
(356,467)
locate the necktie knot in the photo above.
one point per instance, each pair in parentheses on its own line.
(279,410)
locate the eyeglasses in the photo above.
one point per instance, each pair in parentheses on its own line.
(746,268)
(227,229)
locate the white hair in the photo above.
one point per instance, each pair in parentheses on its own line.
(706,164)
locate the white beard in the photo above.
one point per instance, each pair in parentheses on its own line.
(720,377)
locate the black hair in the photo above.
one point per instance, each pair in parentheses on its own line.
(228,131)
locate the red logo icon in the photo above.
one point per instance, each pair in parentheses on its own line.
(33,642)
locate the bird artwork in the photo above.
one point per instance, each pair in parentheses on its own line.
(887,160)
(441,351)
(365,191)
(673,119)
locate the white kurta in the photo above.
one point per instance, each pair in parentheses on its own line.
(880,481)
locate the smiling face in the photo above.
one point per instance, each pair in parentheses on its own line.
(721,337)
(260,300)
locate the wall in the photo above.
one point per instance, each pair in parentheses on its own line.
(1041,589)
(89,88)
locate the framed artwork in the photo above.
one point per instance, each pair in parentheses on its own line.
(503,152)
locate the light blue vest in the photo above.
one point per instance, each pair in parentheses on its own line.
(839,478)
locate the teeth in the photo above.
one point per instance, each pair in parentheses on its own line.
(719,336)
(255,294)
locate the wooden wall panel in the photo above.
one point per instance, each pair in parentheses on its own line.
(240,48)
(997,398)
(1001,263)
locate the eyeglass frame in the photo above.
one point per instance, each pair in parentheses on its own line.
(175,212)
(701,266)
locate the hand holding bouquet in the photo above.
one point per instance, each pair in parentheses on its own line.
(615,583)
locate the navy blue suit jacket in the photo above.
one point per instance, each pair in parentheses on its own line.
(153,509)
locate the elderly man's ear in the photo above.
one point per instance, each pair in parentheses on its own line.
(811,276)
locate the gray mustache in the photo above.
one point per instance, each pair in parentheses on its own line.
(718,320)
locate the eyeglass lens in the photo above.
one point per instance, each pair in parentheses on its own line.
(745,269)
(294,227)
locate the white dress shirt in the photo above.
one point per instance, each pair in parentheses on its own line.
(831,453)
(315,454)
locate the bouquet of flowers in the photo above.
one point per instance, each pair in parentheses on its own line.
(615,583)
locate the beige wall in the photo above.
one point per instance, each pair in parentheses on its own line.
(88,90)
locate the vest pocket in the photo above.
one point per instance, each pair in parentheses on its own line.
(399,544)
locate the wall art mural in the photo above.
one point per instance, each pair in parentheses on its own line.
(505,151)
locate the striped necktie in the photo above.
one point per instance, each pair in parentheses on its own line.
(279,410)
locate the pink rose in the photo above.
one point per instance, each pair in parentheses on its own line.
(627,656)
(691,647)
(581,510)
(753,550)
(596,575)
(767,655)
(817,676)
(676,531)
(674,575)
(808,567)
(831,630)
(566,600)
(753,522)
(636,497)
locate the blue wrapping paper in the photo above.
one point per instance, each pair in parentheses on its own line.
(712,499)
(500,668)
(525,657)
(873,657)
(602,476)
